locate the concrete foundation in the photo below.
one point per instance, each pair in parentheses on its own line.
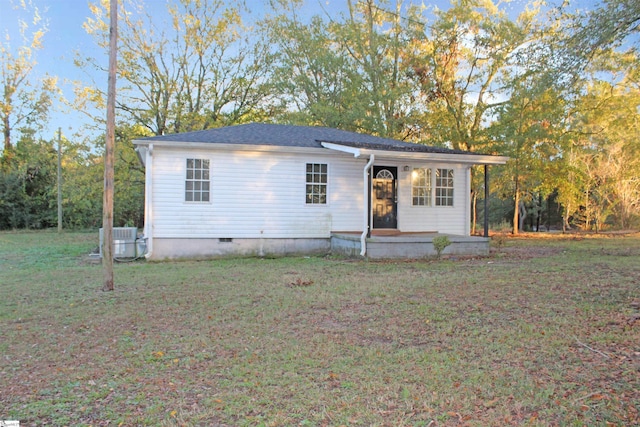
(408,246)
(164,248)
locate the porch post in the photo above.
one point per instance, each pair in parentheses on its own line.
(486,200)
(366,196)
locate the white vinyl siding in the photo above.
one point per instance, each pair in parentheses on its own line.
(443,219)
(255,195)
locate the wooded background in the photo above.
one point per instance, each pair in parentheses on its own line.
(554,87)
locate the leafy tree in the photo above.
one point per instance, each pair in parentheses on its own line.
(606,135)
(375,39)
(346,73)
(27,185)
(462,69)
(26,99)
(129,178)
(610,25)
(201,70)
(530,129)
(83,170)
(314,80)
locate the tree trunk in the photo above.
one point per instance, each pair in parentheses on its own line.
(516,207)
(523,215)
(539,212)
(59,182)
(7,152)
(474,211)
(587,211)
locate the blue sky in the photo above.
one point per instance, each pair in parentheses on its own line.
(66,36)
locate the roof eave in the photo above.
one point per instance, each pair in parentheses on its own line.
(471,159)
(226,146)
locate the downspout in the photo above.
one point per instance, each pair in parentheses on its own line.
(365,202)
(148,205)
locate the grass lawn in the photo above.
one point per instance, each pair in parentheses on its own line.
(544,332)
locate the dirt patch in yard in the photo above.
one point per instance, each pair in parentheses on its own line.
(526,252)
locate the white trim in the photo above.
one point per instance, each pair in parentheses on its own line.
(430,199)
(184,175)
(467,203)
(326,185)
(388,155)
(419,155)
(148,205)
(343,148)
(182,145)
(365,208)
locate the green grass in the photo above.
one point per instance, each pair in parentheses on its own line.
(540,333)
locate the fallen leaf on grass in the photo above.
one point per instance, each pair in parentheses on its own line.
(300,283)
(492,403)
(598,396)
(455,415)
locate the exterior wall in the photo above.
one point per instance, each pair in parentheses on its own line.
(254,195)
(443,219)
(214,248)
(407,246)
(257,203)
(417,248)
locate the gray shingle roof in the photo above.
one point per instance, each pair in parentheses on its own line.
(295,136)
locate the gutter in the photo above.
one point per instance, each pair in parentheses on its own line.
(148,205)
(345,149)
(365,199)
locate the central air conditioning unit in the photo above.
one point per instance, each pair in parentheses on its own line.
(124,242)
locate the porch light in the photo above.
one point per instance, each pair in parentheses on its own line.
(406,168)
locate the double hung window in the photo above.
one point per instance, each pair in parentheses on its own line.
(421,187)
(316,184)
(197,183)
(444,187)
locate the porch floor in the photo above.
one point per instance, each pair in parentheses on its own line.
(388,244)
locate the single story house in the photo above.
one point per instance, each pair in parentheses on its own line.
(268,190)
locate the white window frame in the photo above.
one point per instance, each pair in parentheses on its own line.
(423,193)
(197,186)
(316,184)
(444,187)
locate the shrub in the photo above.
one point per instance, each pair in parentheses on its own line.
(440,243)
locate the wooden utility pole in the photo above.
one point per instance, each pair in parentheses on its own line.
(109,154)
(59,180)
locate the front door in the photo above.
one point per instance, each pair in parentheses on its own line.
(384,201)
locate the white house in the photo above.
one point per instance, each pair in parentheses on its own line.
(265,189)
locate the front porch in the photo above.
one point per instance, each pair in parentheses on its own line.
(389,244)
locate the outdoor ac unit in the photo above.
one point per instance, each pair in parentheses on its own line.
(124,242)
